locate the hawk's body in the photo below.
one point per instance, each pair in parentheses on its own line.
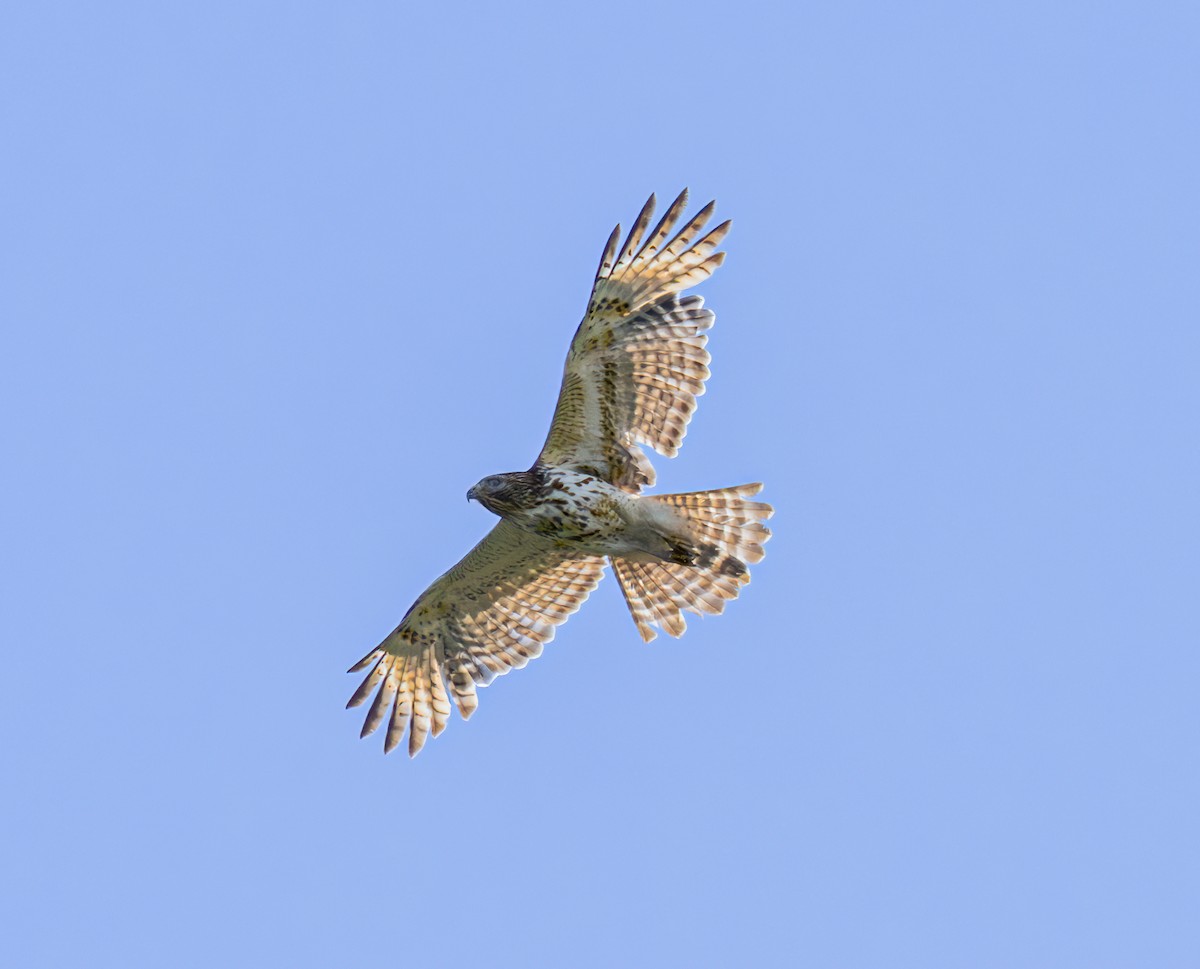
(582,512)
(632,376)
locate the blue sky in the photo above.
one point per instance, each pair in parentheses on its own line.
(280,281)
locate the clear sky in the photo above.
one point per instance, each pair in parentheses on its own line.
(281,280)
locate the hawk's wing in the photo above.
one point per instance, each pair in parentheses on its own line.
(637,362)
(490,613)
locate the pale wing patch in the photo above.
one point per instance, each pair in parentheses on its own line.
(492,612)
(637,362)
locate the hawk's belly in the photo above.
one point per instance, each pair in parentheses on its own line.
(579,509)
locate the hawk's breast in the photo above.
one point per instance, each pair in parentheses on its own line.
(573,507)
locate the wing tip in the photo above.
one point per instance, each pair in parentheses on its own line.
(363,663)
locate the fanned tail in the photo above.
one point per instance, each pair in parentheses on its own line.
(708,567)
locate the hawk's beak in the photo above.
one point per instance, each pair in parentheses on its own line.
(471,494)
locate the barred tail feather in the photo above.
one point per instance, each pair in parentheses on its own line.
(725,533)
(658,593)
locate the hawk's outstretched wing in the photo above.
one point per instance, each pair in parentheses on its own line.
(490,613)
(637,362)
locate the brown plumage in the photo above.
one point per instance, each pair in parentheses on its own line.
(636,365)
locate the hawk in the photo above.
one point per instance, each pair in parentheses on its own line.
(636,365)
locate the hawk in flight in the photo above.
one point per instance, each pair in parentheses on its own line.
(632,376)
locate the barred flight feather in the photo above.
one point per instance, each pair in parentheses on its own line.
(637,362)
(492,612)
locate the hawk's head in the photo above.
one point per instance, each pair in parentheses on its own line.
(505,493)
